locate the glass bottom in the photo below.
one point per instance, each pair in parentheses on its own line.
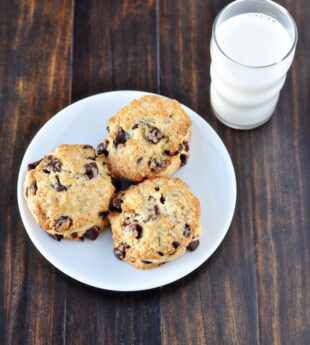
(240,127)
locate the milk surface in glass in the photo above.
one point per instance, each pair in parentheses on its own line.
(248,68)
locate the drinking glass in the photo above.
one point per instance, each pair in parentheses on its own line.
(244,95)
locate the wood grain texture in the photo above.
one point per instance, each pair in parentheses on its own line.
(255,289)
(114,46)
(35,82)
(281,204)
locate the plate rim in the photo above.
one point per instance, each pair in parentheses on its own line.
(168,280)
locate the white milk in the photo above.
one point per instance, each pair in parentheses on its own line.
(243,92)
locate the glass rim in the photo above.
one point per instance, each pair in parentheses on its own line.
(280,8)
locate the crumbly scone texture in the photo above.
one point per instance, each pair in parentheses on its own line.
(148,138)
(154,222)
(69,192)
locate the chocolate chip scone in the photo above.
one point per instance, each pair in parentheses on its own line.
(147,138)
(69,192)
(154,222)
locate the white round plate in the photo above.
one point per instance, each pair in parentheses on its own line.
(209,173)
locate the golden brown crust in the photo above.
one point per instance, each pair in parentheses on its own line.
(68,192)
(148,138)
(153,222)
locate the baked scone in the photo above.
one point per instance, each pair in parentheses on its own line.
(147,138)
(154,222)
(69,192)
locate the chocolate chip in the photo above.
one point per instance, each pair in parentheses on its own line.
(186,146)
(157,189)
(102,148)
(108,129)
(175,244)
(183,159)
(135,229)
(54,164)
(154,215)
(85,147)
(120,251)
(138,231)
(193,245)
(117,184)
(74,235)
(180,148)
(126,222)
(135,126)
(187,230)
(139,160)
(33,187)
(153,135)
(160,253)
(156,211)
(91,170)
(162,199)
(116,205)
(92,233)
(121,137)
(33,165)
(61,221)
(174,153)
(103,213)
(58,186)
(146,262)
(155,165)
(56,237)
(59,237)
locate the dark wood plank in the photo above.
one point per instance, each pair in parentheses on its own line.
(35,82)
(281,202)
(114,48)
(210,306)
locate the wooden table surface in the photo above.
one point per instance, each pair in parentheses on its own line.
(255,289)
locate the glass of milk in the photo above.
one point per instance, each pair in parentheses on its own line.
(252,47)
